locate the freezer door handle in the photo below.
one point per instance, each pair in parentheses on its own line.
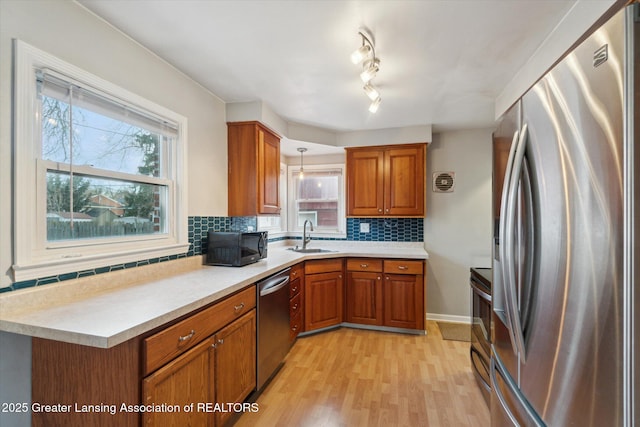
(509,279)
(502,230)
(525,413)
(495,386)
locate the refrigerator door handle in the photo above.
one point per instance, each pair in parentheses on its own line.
(523,408)
(509,279)
(498,393)
(502,235)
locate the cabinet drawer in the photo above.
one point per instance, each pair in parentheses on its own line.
(322,266)
(364,264)
(295,278)
(295,305)
(403,267)
(295,326)
(167,344)
(294,288)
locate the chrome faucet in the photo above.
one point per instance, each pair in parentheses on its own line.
(306,239)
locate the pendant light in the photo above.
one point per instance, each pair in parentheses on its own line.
(301,174)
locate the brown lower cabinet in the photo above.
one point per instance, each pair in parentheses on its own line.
(185,380)
(207,359)
(385,293)
(364,291)
(235,363)
(323,293)
(403,294)
(219,371)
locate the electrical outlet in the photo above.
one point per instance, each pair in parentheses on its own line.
(364,227)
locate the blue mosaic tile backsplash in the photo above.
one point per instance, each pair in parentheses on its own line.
(380,229)
(387,229)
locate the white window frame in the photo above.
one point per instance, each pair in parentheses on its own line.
(293,228)
(34,257)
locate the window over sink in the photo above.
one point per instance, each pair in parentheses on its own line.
(318,197)
(99,171)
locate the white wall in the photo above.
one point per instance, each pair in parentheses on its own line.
(68,31)
(73,34)
(458,225)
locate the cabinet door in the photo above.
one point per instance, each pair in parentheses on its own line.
(253,169)
(365,182)
(235,363)
(187,379)
(268,172)
(404,181)
(404,301)
(364,298)
(323,300)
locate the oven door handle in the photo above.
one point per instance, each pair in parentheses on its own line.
(482,294)
(472,352)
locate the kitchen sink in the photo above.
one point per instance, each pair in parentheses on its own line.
(310,250)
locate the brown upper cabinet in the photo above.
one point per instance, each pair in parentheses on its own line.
(254,169)
(386,181)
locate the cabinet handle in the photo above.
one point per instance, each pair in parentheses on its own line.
(215,345)
(387,278)
(380,210)
(294,328)
(378,277)
(387,210)
(339,276)
(295,307)
(187,337)
(364,265)
(294,290)
(294,273)
(403,267)
(237,308)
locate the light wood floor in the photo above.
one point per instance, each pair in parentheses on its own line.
(351,377)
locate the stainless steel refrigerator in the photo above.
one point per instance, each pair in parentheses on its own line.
(565,318)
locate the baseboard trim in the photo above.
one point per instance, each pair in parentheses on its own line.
(449,318)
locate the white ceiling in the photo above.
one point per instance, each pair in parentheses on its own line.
(442,62)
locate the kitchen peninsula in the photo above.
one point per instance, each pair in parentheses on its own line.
(115,318)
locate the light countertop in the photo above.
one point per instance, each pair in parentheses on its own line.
(109,309)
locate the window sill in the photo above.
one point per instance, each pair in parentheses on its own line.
(66,265)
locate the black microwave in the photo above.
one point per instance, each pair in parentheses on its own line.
(235,248)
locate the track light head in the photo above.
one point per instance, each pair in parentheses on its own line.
(374,105)
(371,91)
(371,69)
(359,54)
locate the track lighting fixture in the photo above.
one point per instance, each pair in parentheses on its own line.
(370,66)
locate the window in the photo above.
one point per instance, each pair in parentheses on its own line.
(318,197)
(106,167)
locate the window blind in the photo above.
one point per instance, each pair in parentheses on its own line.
(60,87)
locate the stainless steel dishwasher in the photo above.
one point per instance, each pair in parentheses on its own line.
(273,325)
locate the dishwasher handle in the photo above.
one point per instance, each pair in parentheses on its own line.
(274,284)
